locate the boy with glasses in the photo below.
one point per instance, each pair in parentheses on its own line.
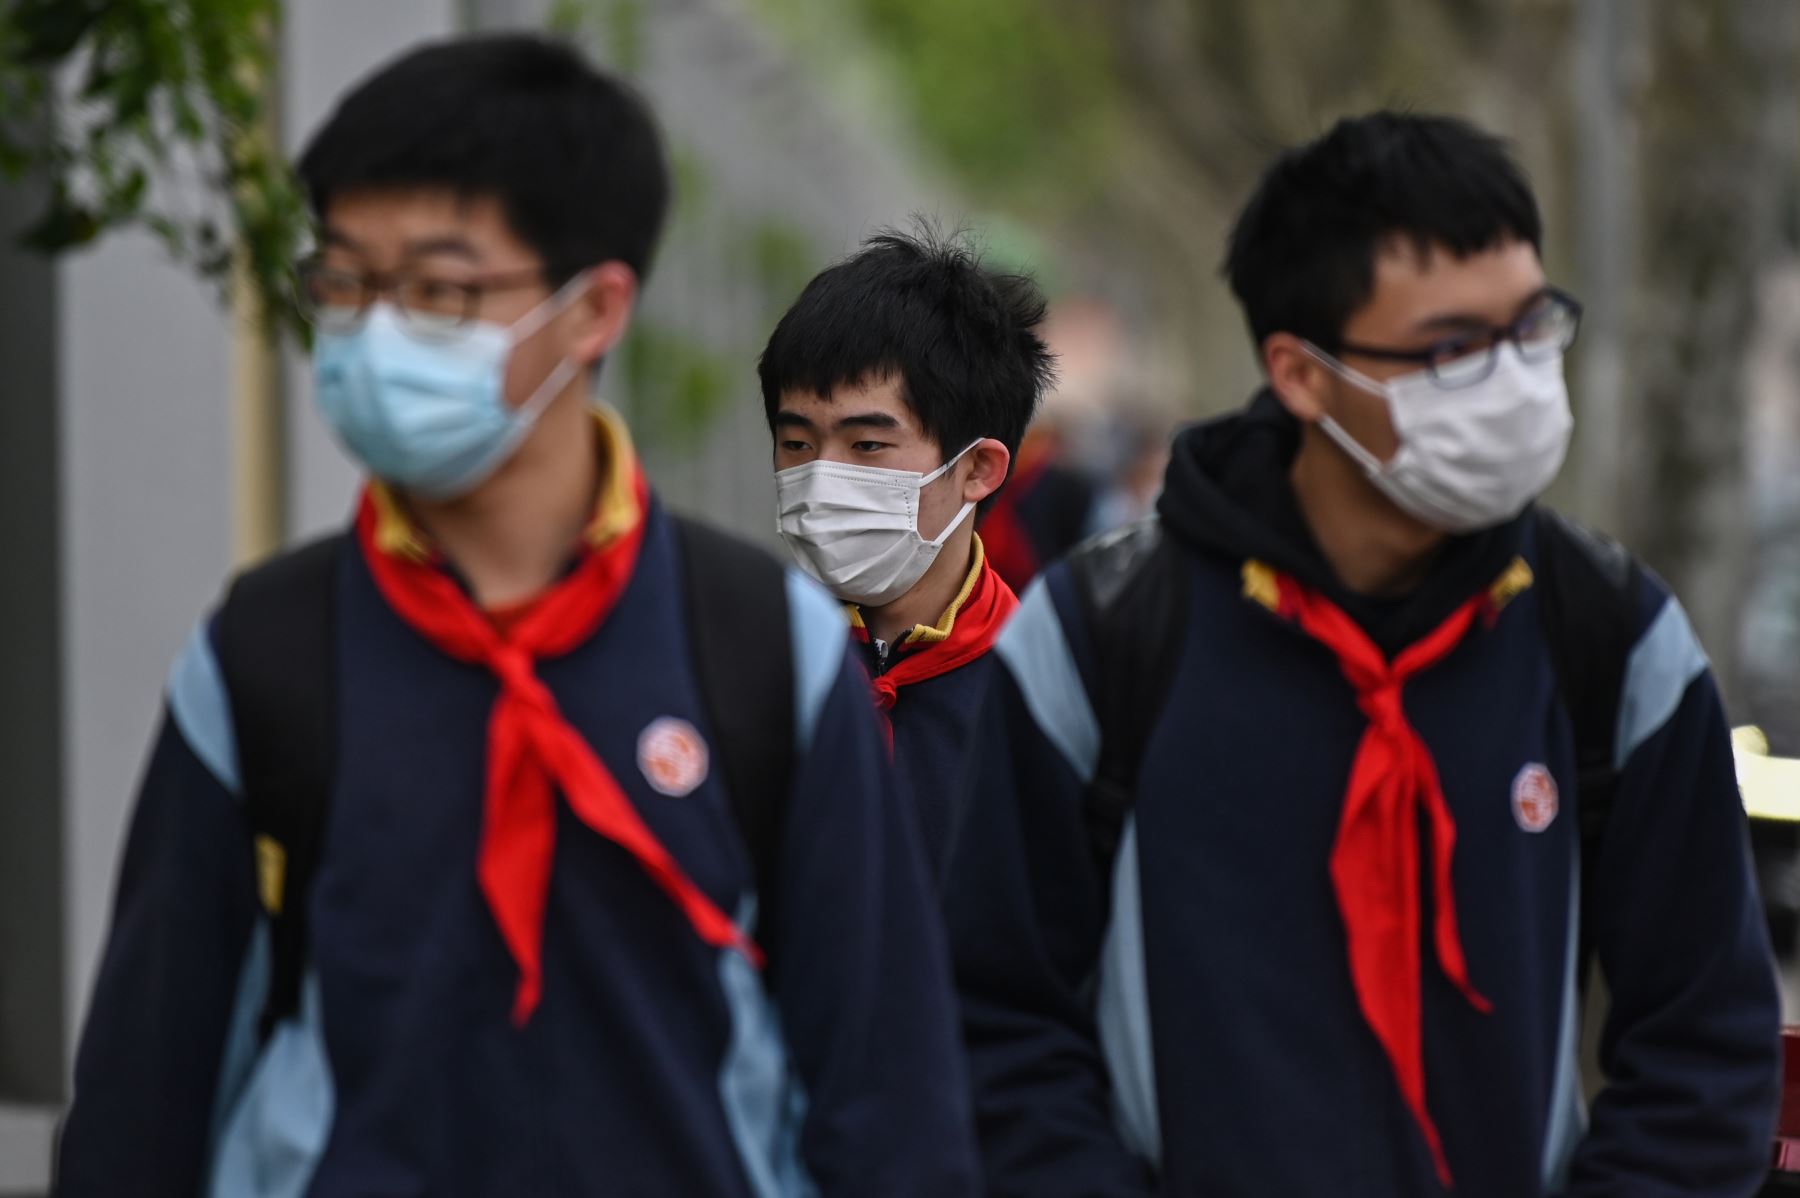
(477,855)
(1301,810)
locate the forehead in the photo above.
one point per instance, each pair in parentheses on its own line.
(388,225)
(883,395)
(1416,285)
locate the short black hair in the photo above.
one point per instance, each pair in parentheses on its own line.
(1301,258)
(961,337)
(572,155)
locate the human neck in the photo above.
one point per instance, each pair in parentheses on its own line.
(510,537)
(1373,547)
(931,595)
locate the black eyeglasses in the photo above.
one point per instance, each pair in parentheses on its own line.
(1545,330)
(337,299)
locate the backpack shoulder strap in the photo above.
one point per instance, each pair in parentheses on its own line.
(737,617)
(276,651)
(1132,592)
(1590,585)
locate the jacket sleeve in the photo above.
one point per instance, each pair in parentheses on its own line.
(1025,906)
(863,979)
(1691,1047)
(147,1071)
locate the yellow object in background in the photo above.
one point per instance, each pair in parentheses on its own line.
(1770,785)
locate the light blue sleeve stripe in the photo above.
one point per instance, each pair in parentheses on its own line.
(1662,665)
(1568,1106)
(202,710)
(817,629)
(1124,1010)
(765,1105)
(1037,655)
(275,1134)
(241,1038)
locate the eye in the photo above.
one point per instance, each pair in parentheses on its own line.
(794,447)
(1455,349)
(869,446)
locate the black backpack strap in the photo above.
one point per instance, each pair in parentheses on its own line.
(1132,591)
(1588,599)
(737,615)
(276,652)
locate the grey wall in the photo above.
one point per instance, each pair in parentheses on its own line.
(146,535)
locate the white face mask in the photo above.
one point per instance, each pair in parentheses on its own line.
(1470,457)
(856,528)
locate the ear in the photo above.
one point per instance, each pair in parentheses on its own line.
(988,460)
(1300,381)
(605,309)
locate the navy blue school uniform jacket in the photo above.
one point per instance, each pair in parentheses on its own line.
(1186,1024)
(653,1066)
(929,684)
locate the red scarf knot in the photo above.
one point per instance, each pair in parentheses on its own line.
(1375,863)
(974,626)
(533,752)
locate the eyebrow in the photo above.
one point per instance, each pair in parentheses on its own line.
(449,244)
(866,420)
(882,420)
(1454,321)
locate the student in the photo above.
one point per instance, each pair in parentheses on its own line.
(897,388)
(1298,810)
(531,957)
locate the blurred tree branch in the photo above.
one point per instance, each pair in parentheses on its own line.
(153,115)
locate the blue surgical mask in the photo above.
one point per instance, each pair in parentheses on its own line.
(431,416)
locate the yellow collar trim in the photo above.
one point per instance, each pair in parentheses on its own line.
(616,513)
(1513,582)
(1260,585)
(935,634)
(926,634)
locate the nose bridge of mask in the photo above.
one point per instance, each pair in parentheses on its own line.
(871,476)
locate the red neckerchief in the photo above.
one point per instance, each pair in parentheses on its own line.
(973,630)
(1375,862)
(532,751)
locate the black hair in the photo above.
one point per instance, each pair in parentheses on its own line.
(961,337)
(1301,258)
(571,154)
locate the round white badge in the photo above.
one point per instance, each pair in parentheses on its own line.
(671,756)
(1534,798)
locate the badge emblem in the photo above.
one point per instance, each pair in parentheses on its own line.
(671,756)
(1534,798)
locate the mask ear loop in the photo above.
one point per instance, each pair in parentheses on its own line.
(527,413)
(927,480)
(937,542)
(548,310)
(1340,436)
